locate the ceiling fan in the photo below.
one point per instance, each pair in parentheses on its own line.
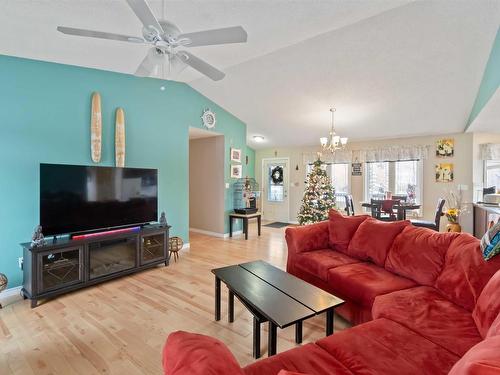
(165,39)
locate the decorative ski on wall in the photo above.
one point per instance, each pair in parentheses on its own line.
(120,138)
(96,128)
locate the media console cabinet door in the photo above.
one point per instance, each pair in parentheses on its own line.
(153,247)
(59,268)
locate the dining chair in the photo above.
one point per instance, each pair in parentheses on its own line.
(349,205)
(383,209)
(437,218)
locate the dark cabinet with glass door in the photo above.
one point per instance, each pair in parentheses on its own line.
(153,247)
(59,268)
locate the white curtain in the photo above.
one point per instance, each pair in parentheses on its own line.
(389,153)
(489,151)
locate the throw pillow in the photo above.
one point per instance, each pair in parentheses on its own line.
(342,228)
(490,243)
(373,239)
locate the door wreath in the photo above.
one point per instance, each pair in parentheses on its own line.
(277,175)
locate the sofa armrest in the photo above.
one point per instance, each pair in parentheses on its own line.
(305,238)
(193,354)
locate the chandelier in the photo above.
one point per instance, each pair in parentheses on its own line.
(333,142)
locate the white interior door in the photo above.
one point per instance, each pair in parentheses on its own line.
(275,183)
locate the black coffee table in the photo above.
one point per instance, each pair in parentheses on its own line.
(273,296)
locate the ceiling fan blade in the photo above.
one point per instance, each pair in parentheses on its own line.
(151,60)
(201,66)
(99,34)
(144,13)
(236,34)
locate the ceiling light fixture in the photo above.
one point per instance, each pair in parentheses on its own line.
(258,138)
(333,142)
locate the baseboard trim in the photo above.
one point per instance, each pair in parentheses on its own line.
(214,234)
(10,295)
(186,246)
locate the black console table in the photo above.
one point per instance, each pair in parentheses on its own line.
(69,264)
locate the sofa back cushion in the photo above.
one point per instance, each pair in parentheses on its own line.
(488,305)
(418,254)
(481,359)
(373,239)
(193,354)
(342,228)
(465,272)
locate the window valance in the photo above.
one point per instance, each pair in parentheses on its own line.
(389,153)
(489,151)
(395,153)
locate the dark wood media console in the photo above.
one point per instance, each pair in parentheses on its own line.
(66,265)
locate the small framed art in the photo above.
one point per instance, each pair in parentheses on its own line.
(236,171)
(236,155)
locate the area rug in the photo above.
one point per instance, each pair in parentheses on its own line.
(277,224)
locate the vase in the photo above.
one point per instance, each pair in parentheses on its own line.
(453,227)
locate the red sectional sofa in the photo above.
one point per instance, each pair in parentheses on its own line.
(422,303)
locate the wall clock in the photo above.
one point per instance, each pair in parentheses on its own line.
(208,119)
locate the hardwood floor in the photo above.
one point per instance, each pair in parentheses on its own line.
(119,327)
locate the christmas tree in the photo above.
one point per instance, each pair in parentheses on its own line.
(319,196)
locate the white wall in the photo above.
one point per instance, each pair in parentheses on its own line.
(462,160)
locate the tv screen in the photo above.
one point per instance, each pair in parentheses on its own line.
(76,198)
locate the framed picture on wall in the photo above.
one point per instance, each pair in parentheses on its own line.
(444,172)
(236,171)
(236,155)
(445,148)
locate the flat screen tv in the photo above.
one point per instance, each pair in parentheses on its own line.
(75,198)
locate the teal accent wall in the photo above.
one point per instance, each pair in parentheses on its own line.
(45,118)
(250,152)
(490,81)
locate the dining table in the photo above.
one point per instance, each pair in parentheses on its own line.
(402,208)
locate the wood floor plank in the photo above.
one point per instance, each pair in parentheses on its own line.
(120,327)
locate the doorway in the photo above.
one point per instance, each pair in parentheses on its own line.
(206,182)
(275,183)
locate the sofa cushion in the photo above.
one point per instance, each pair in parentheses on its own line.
(385,347)
(425,311)
(318,262)
(494,328)
(362,282)
(418,253)
(342,228)
(193,354)
(488,305)
(309,359)
(373,239)
(307,237)
(482,359)
(465,272)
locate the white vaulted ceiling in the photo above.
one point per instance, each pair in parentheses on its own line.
(391,68)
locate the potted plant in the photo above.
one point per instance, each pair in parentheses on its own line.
(455,207)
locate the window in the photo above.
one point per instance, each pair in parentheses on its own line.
(492,173)
(339,174)
(394,176)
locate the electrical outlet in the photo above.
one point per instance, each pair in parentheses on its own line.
(20,262)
